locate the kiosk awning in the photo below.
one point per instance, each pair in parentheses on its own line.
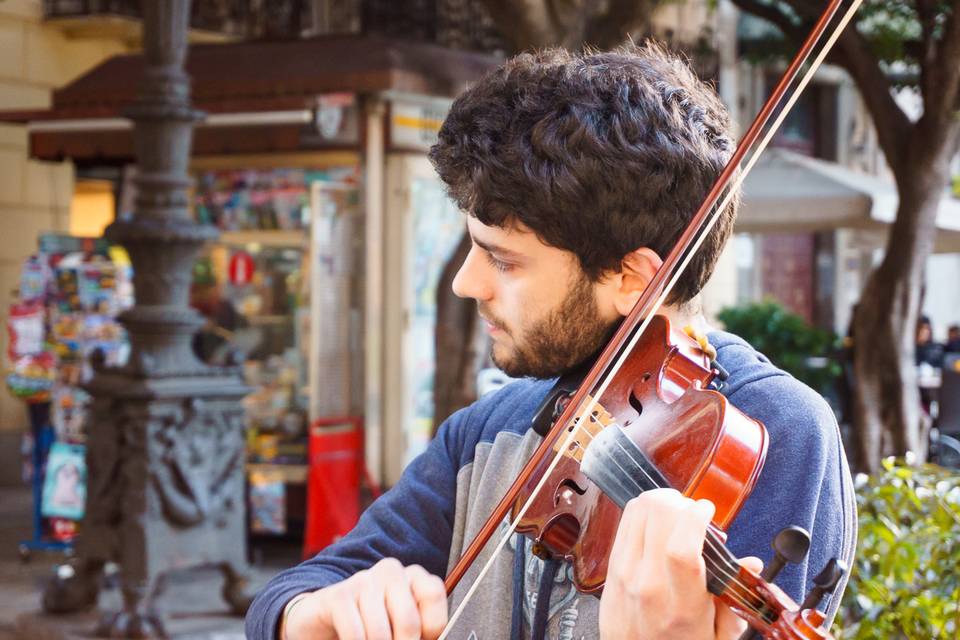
(788,192)
(277,86)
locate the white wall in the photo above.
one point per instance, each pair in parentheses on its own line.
(942,300)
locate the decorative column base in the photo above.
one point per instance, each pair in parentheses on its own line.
(165,494)
(165,432)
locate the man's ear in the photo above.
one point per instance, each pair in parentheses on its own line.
(636,270)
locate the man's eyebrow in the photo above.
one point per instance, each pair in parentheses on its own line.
(503,252)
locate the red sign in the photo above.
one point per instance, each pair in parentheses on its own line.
(240,270)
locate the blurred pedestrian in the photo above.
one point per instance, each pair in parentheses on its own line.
(953,339)
(927,351)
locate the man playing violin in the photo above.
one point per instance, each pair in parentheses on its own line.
(577,174)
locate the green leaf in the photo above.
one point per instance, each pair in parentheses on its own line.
(905,579)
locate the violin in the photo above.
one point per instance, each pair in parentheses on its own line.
(644,417)
(660,425)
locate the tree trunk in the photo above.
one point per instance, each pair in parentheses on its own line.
(886,403)
(535,24)
(887,416)
(455,341)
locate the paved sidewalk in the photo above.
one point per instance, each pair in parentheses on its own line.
(18,591)
(191,602)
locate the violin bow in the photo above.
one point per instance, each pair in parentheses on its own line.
(653,297)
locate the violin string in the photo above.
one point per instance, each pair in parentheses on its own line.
(731,191)
(729,575)
(710,542)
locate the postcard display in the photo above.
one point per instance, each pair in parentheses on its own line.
(69,295)
(270,230)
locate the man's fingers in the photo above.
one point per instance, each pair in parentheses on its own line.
(371,603)
(345,619)
(752,563)
(684,548)
(628,543)
(673,537)
(727,624)
(402,609)
(431,596)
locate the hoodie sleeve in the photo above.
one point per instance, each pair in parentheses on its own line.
(805,482)
(412,522)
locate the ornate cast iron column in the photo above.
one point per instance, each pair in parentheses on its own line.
(165,432)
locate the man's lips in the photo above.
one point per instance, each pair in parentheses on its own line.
(492,327)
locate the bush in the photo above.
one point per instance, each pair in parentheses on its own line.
(905,582)
(788,340)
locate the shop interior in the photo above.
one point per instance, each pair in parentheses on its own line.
(253,288)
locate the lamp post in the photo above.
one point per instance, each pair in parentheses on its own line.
(165,446)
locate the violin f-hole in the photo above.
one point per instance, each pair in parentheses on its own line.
(635,402)
(559,536)
(563,494)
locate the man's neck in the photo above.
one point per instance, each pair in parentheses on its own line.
(685,315)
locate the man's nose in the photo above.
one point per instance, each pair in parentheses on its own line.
(470,281)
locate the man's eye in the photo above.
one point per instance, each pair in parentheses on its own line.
(499,265)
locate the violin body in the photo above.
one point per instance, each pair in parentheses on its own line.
(691,439)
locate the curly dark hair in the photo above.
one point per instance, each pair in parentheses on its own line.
(597,153)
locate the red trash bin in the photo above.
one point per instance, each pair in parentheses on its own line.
(335,451)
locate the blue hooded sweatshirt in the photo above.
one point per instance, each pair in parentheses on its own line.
(445,495)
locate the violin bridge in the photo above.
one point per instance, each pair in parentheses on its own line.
(584,430)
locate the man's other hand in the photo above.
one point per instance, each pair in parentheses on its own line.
(386,601)
(656,580)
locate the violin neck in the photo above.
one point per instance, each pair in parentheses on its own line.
(722,565)
(745,592)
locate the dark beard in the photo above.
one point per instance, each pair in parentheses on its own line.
(563,339)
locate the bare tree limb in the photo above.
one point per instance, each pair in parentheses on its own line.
(892,124)
(946,73)
(530,24)
(523,23)
(793,32)
(610,28)
(927,48)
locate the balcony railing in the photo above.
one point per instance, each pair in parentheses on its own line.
(459,24)
(231,18)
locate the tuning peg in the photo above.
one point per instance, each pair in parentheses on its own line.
(825,582)
(790,545)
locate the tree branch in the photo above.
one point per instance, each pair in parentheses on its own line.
(945,73)
(926,50)
(523,23)
(607,29)
(774,16)
(891,123)
(853,55)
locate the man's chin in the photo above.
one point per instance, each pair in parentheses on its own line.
(500,362)
(506,363)
(515,369)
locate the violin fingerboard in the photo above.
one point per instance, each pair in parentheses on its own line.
(618,467)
